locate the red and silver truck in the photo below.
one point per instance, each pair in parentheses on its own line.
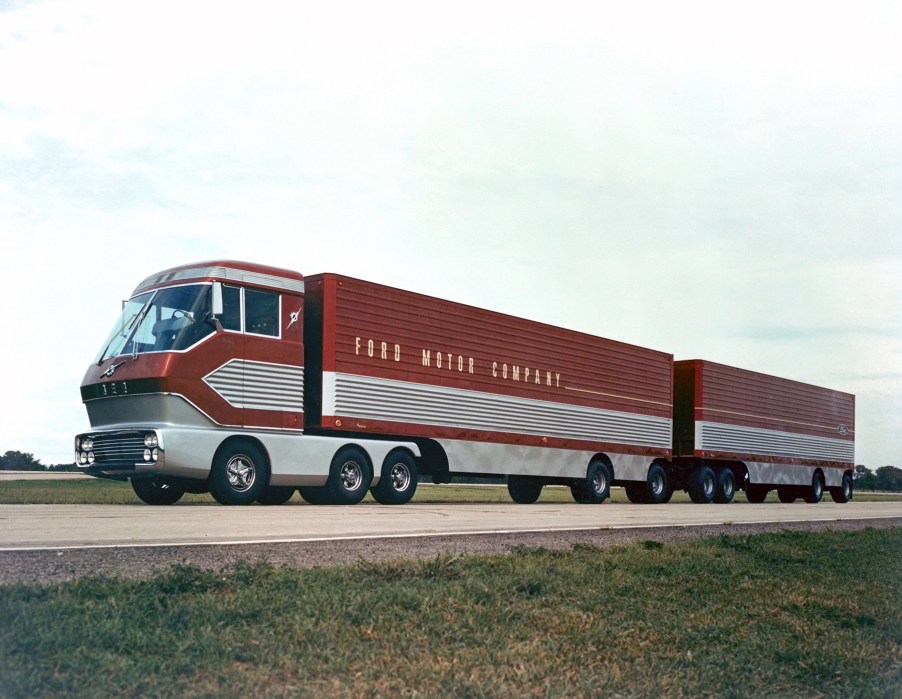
(739,428)
(251,382)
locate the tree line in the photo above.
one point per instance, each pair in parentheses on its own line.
(884,478)
(21,461)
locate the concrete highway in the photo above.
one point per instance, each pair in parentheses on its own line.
(36,527)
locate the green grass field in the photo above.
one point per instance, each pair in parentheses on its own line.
(776,615)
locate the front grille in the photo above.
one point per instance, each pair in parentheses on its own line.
(118,450)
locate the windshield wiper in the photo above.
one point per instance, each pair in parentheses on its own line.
(136,320)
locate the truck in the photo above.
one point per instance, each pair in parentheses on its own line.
(251,382)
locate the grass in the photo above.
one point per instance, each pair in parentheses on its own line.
(96,491)
(777,615)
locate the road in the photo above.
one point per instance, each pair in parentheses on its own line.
(35,527)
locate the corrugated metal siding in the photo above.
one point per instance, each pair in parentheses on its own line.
(432,342)
(747,440)
(400,401)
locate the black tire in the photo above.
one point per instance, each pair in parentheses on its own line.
(725,487)
(756,493)
(276,495)
(155,491)
(787,495)
(595,487)
(636,493)
(398,481)
(350,475)
(524,490)
(658,489)
(314,495)
(239,475)
(844,492)
(702,485)
(815,492)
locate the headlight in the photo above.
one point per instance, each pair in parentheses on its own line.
(147,454)
(90,457)
(87,444)
(151,441)
(155,454)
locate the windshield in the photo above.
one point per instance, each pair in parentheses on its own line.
(168,319)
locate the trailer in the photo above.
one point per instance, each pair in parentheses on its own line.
(740,429)
(482,393)
(251,382)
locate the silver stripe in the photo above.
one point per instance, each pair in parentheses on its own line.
(714,436)
(258,385)
(368,398)
(227,273)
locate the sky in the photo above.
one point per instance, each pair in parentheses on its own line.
(714,180)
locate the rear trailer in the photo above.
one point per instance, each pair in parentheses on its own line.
(482,393)
(739,429)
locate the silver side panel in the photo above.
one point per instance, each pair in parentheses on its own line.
(792,474)
(490,458)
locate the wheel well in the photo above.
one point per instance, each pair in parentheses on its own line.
(606,460)
(433,461)
(242,439)
(366,454)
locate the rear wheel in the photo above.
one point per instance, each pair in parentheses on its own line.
(524,490)
(787,495)
(844,492)
(595,487)
(398,481)
(350,476)
(726,486)
(756,493)
(276,495)
(816,490)
(702,485)
(155,491)
(239,475)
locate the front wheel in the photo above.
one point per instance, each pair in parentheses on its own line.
(155,491)
(398,482)
(239,475)
(524,490)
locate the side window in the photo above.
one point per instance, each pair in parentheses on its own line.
(261,310)
(231,308)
